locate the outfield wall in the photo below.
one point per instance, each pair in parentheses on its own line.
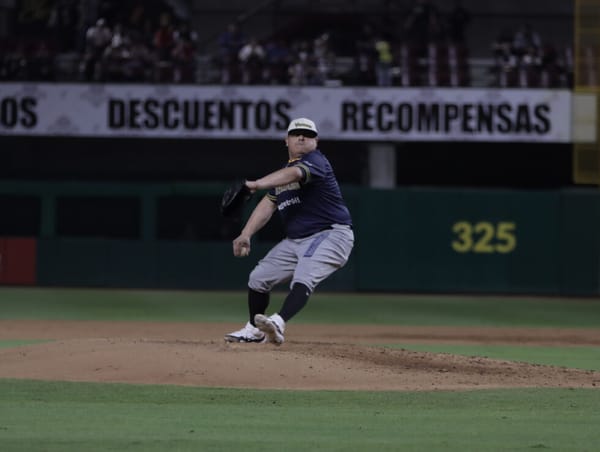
(480,241)
(408,240)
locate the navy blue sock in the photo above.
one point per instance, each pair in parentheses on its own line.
(295,301)
(257,303)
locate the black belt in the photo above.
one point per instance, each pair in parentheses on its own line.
(338,224)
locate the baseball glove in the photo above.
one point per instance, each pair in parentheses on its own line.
(234,198)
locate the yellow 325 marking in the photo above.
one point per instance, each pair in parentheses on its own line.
(484,237)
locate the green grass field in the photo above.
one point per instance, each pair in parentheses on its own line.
(382,309)
(92,417)
(74,417)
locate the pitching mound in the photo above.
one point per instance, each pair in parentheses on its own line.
(314,357)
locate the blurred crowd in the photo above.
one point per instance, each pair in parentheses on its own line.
(138,51)
(425,47)
(523,58)
(123,41)
(148,41)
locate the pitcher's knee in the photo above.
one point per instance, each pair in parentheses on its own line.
(258,283)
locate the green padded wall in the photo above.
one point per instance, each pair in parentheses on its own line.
(409,240)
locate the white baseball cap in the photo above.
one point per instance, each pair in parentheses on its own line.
(302,124)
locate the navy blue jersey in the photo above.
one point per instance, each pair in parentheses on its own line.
(314,203)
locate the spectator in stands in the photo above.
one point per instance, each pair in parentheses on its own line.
(527,46)
(366,57)
(324,58)
(163,44)
(184,55)
(277,61)
(303,68)
(16,63)
(230,42)
(554,73)
(252,57)
(142,62)
(520,60)
(97,38)
(164,38)
(116,61)
(502,49)
(383,66)
(118,35)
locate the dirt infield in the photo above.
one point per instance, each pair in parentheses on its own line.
(313,357)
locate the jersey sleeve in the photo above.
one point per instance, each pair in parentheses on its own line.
(312,167)
(305,172)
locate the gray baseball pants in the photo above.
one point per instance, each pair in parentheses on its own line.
(308,260)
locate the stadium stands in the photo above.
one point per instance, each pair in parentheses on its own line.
(431,43)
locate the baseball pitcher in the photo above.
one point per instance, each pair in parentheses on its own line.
(318,228)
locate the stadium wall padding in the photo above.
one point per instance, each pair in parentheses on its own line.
(417,240)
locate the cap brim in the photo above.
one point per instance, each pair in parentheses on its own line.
(310,133)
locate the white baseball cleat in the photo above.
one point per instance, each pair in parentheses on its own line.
(247,334)
(273,327)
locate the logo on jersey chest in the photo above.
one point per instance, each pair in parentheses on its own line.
(288,202)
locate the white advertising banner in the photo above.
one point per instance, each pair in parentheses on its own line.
(263,112)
